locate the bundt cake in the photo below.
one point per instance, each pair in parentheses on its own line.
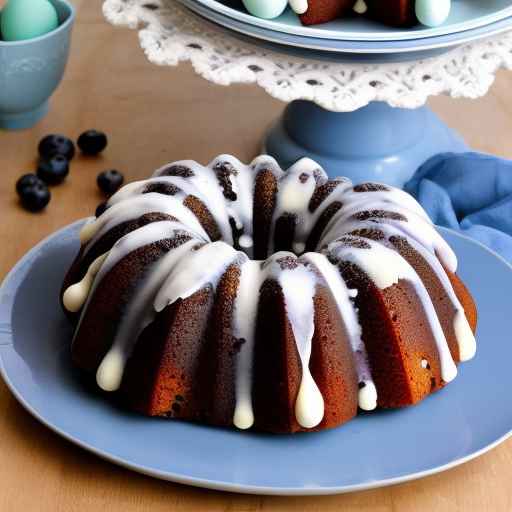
(248,296)
(397,13)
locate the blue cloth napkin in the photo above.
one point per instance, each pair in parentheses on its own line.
(469,192)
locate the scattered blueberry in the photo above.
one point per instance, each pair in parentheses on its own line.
(100,209)
(36,197)
(54,170)
(52,145)
(92,142)
(26,181)
(110,181)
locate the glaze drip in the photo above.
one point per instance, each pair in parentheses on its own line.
(343,296)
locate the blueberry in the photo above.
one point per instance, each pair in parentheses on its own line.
(54,170)
(110,181)
(36,197)
(100,209)
(92,142)
(52,145)
(26,181)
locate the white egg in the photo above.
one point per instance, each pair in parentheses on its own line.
(432,13)
(299,6)
(266,9)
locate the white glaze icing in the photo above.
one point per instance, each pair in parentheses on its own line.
(200,263)
(429,251)
(134,240)
(244,328)
(76,295)
(246,242)
(299,306)
(137,206)
(309,406)
(293,198)
(416,225)
(203,185)
(199,269)
(342,295)
(463,333)
(385,268)
(295,192)
(139,315)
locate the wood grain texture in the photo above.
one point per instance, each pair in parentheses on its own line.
(154,115)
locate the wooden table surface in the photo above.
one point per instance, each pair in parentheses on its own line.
(155,115)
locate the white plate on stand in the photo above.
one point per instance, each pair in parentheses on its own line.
(465,15)
(419,48)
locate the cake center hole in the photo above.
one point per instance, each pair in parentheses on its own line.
(283,238)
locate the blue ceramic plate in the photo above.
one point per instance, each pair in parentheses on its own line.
(428,44)
(467,418)
(465,15)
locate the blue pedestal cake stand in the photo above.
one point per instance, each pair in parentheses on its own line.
(339,92)
(374,143)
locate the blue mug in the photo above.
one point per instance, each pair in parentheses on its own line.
(31,70)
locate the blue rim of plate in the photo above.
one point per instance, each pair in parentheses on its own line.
(347,47)
(289,23)
(62,240)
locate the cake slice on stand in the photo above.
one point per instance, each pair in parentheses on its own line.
(396,13)
(323,11)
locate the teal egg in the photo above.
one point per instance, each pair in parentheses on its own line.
(266,9)
(432,13)
(26,19)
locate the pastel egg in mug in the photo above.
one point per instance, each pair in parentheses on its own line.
(34,49)
(27,19)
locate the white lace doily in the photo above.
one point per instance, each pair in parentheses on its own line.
(170,34)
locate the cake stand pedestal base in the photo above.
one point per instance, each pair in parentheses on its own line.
(375,143)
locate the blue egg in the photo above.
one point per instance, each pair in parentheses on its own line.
(266,9)
(432,13)
(26,19)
